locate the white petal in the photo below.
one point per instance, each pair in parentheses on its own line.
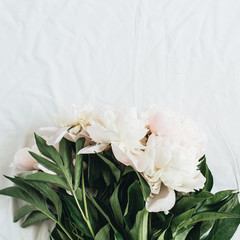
(163,201)
(23,160)
(41,167)
(121,156)
(100,135)
(93,149)
(139,162)
(57,136)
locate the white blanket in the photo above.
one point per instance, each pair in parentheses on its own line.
(184,54)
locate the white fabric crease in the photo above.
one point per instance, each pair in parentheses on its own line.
(184,54)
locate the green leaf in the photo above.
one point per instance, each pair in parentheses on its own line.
(48,192)
(181,218)
(76,215)
(48,178)
(107,176)
(207,174)
(62,235)
(47,164)
(78,164)
(116,207)
(65,152)
(188,202)
(134,204)
(115,171)
(33,218)
(95,167)
(105,211)
(118,236)
(48,151)
(127,170)
(19,193)
(195,232)
(182,234)
(161,237)
(35,195)
(104,233)
(21,212)
(225,229)
(140,227)
(219,196)
(208,216)
(215,207)
(144,186)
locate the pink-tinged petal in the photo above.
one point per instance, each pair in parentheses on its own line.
(23,160)
(57,136)
(139,162)
(93,149)
(121,156)
(163,201)
(100,135)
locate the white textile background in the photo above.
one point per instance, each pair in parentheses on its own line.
(184,54)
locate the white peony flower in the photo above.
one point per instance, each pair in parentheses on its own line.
(173,150)
(71,124)
(124,129)
(73,115)
(173,165)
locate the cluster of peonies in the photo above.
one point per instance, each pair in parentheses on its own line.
(162,146)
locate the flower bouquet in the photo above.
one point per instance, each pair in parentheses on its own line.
(122,174)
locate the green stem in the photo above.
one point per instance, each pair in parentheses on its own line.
(62,227)
(149,224)
(85,204)
(86,219)
(157,232)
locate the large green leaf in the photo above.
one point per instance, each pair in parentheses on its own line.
(219,196)
(188,202)
(116,207)
(115,171)
(144,186)
(19,193)
(106,212)
(33,218)
(47,164)
(95,169)
(182,233)
(48,178)
(76,215)
(62,235)
(104,233)
(207,174)
(118,236)
(225,229)
(195,231)
(48,151)
(140,227)
(65,152)
(134,204)
(21,212)
(216,206)
(161,237)
(78,163)
(35,195)
(181,219)
(208,216)
(48,192)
